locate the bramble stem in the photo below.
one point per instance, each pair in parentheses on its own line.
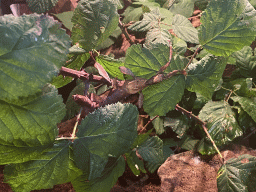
(203,124)
(124,31)
(193,56)
(77,121)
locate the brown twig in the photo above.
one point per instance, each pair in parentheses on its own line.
(82,75)
(125,32)
(203,124)
(144,128)
(193,56)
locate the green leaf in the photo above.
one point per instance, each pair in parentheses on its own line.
(32,50)
(179,46)
(157,36)
(236,174)
(94,21)
(146,62)
(132,14)
(248,104)
(110,40)
(101,132)
(108,179)
(183,7)
(34,123)
(54,166)
(205,147)
(12,154)
(76,64)
(111,65)
(166,93)
(41,6)
(227,26)
(183,28)
(179,125)
(221,122)
(158,124)
(188,143)
(141,138)
(135,164)
(149,21)
(246,61)
(204,76)
(65,18)
(152,152)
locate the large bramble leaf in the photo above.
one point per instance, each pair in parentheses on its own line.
(204,76)
(113,170)
(183,28)
(248,105)
(246,61)
(227,26)
(146,62)
(221,122)
(237,173)
(54,166)
(111,66)
(32,50)
(183,7)
(41,6)
(179,46)
(94,21)
(101,132)
(152,152)
(34,123)
(165,93)
(179,125)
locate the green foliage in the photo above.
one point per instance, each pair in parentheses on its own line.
(53,166)
(152,152)
(41,6)
(99,134)
(237,174)
(204,75)
(23,41)
(225,22)
(93,22)
(221,122)
(33,48)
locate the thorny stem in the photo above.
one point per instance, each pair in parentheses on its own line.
(77,121)
(124,31)
(203,124)
(144,128)
(193,56)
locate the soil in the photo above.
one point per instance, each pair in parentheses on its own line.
(181,172)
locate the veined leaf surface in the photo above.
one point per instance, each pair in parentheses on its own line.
(227,26)
(113,170)
(54,166)
(152,152)
(32,50)
(221,122)
(248,104)
(41,6)
(94,21)
(236,174)
(204,76)
(101,132)
(34,123)
(183,28)
(144,62)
